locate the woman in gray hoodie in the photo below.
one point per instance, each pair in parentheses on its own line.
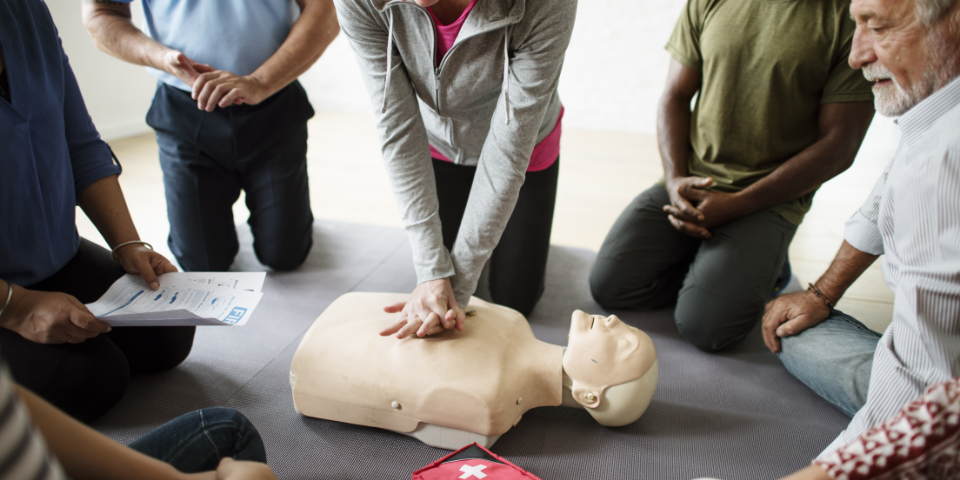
(468,113)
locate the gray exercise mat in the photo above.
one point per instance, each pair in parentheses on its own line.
(734,415)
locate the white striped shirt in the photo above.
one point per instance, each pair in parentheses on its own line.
(912,218)
(23,453)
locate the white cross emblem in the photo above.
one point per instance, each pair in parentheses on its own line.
(473,471)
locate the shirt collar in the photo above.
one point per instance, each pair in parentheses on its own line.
(921,117)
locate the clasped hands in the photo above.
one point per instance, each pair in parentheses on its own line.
(53,317)
(695,210)
(212,87)
(431,310)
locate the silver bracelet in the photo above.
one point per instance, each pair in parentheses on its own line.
(9,296)
(124,244)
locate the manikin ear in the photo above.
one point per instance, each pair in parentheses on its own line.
(588,397)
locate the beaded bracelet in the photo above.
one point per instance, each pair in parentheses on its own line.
(124,244)
(820,295)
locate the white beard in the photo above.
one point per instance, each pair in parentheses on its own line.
(893,100)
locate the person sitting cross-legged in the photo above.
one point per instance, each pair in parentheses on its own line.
(911,50)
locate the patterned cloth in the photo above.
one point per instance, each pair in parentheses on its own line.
(23,453)
(920,442)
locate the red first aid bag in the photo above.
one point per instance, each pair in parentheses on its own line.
(472,462)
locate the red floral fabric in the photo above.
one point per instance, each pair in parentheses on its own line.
(920,442)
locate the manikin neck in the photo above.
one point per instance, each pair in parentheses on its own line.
(568,400)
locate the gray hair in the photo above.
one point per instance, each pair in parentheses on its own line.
(932,10)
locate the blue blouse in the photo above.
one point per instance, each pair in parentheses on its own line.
(50,152)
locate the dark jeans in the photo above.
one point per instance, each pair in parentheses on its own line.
(719,285)
(197,441)
(87,379)
(209,157)
(518,264)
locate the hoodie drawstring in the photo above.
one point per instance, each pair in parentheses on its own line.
(506,74)
(386,81)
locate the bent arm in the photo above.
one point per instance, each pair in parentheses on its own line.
(111,28)
(104,204)
(533,77)
(673,118)
(842,128)
(846,268)
(309,37)
(403,137)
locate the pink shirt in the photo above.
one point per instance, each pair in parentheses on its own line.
(545,152)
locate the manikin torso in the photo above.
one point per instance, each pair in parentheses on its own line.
(455,388)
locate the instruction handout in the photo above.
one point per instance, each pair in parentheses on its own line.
(184,298)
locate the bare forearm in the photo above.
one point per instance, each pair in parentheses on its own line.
(842,128)
(846,268)
(309,37)
(673,134)
(104,205)
(86,454)
(802,174)
(113,32)
(813,472)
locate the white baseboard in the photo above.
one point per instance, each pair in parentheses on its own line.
(123,129)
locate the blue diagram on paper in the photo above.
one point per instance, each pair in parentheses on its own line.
(125,304)
(235,315)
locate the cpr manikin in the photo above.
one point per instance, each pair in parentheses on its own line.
(455,388)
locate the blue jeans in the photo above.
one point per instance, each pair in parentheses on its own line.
(834,359)
(197,441)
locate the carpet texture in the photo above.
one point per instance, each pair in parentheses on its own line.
(733,415)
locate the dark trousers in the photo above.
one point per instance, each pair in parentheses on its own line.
(207,158)
(719,285)
(87,379)
(518,264)
(197,441)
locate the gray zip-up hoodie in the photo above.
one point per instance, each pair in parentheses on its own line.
(493,98)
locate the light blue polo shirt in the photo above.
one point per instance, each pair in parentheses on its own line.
(233,35)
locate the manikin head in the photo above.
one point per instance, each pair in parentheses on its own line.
(909,48)
(612,367)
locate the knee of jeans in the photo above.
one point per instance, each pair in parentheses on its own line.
(197,261)
(243,442)
(795,352)
(284,256)
(708,326)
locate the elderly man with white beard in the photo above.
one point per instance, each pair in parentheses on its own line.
(911,50)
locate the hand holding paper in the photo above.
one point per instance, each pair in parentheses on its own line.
(191,298)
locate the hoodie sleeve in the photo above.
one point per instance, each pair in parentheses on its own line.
(537,46)
(403,137)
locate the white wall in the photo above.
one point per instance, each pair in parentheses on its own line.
(612,76)
(117,94)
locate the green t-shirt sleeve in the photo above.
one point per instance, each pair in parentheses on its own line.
(684,44)
(844,83)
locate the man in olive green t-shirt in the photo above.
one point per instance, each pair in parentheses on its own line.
(778,112)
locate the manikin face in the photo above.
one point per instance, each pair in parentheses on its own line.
(906,59)
(603,352)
